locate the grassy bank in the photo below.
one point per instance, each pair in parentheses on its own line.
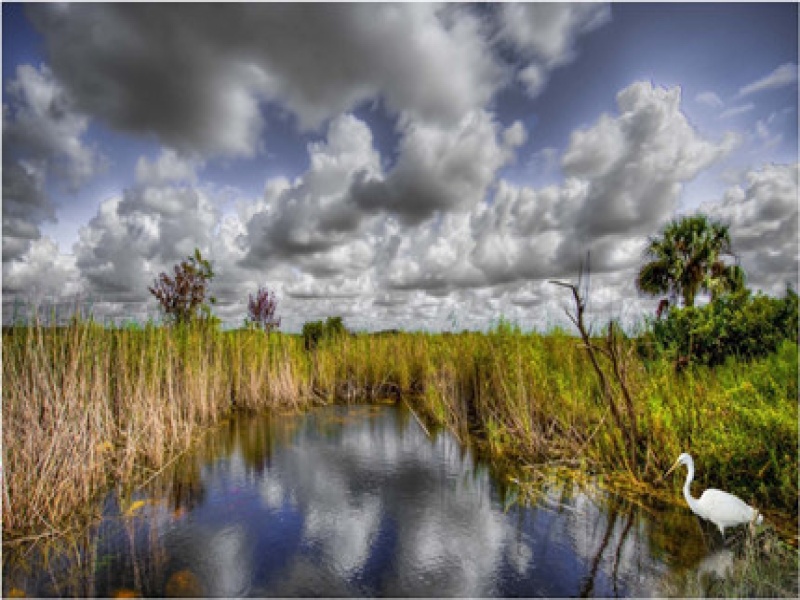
(84,406)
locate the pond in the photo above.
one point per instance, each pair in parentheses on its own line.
(359,501)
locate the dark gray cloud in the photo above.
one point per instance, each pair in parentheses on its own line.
(41,124)
(194,74)
(440,168)
(314,214)
(25,207)
(42,139)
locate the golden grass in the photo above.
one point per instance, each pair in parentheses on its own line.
(85,406)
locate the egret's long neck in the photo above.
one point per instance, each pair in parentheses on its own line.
(686,492)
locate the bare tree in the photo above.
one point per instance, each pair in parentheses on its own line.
(623,413)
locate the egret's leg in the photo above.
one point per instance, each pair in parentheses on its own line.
(702,533)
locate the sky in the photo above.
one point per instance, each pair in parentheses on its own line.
(415,166)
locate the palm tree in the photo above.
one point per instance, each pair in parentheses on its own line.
(687,259)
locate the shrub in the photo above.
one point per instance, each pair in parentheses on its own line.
(184,296)
(316,331)
(740,325)
(261,310)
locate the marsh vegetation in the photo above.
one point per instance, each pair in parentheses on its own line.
(87,407)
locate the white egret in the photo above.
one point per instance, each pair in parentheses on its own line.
(721,508)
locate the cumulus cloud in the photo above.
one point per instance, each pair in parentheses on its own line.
(546,34)
(168,167)
(783,76)
(441,168)
(42,273)
(140,233)
(763,219)
(25,207)
(314,214)
(637,163)
(438,240)
(42,139)
(624,177)
(194,75)
(40,123)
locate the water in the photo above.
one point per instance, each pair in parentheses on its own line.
(357,501)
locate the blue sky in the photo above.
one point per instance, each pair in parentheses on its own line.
(409,165)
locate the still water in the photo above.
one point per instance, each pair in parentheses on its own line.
(357,501)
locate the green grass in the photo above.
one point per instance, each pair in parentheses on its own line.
(86,406)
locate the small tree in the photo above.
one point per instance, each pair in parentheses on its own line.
(686,258)
(184,296)
(261,310)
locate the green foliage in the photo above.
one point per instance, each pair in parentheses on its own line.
(685,259)
(183,297)
(527,397)
(739,325)
(316,331)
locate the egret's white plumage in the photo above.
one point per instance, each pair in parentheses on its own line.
(721,508)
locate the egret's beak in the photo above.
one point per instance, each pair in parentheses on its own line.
(671,469)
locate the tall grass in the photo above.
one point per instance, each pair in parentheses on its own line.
(85,406)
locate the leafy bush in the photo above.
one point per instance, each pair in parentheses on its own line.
(316,331)
(184,296)
(261,310)
(740,325)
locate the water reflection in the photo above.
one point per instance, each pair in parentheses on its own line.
(353,502)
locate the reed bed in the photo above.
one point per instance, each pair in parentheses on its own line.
(86,406)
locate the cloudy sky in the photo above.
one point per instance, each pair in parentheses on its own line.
(410,165)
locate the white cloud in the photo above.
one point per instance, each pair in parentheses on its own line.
(637,163)
(534,79)
(168,167)
(709,99)
(546,34)
(549,31)
(41,273)
(42,142)
(763,219)
(139,234)
(445,244)
(314,214)
(783,76)
(735,111)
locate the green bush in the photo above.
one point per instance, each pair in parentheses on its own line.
(316,331)
(739,325)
